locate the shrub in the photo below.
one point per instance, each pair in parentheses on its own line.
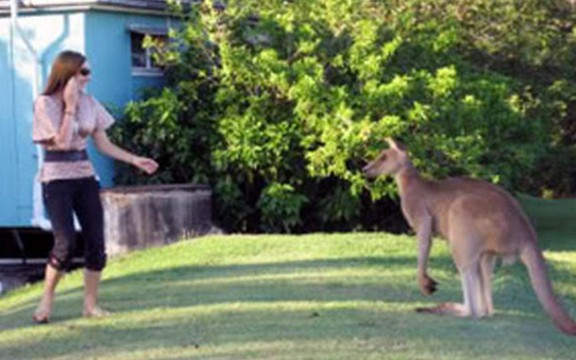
(278,104)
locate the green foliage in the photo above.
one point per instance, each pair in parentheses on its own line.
(280,207)
(277,104)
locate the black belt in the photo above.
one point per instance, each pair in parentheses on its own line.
(65,156)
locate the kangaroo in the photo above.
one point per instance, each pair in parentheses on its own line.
(480,222)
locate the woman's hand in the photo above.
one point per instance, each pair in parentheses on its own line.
(71,94)
(105,146)
(147,165)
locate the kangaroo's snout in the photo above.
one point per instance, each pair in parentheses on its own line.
(368,170)
(378,166)
(365,168)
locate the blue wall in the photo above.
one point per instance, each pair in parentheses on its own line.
(108,51)
(8,175)
(20,68)
(104,38)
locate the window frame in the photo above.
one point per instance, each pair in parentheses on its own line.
(149,69)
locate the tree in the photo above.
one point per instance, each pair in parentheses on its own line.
(277,104)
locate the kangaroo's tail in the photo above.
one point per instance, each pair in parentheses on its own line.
(534,260)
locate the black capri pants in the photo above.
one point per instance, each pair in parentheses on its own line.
(63,198)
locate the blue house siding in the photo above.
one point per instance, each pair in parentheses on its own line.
(113,79)
(45,34)
(108,51)
(8,177)
(104,37)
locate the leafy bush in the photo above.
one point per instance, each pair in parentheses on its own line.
(278,104)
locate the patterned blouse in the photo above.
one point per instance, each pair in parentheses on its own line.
(48,113)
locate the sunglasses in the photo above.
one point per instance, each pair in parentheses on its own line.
(85,72)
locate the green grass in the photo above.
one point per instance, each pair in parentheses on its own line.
(343,296)
(555,219)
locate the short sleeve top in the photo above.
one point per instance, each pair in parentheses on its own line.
(90,117)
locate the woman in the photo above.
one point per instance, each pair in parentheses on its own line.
(64,117)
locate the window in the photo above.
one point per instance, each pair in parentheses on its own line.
(143,62)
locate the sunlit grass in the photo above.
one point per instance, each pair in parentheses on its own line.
(321,296)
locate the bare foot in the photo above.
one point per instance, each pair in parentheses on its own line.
(42,314)
(96,312)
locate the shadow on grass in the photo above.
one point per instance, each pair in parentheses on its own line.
(560,240)
(383,281)
(199,285)
(231,332)
(285,281)
(555,221)
(226,330)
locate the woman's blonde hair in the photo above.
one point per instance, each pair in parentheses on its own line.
(65,66)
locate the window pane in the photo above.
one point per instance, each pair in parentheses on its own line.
(138,51)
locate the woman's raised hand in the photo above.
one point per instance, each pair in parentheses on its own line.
(71,94)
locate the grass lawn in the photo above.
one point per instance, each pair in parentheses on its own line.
(321,296)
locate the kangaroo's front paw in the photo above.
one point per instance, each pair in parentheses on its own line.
(428,285)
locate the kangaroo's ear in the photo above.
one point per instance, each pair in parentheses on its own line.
(396,145)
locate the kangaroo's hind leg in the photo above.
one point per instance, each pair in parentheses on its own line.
(470,289)
(467,259)
(487,263)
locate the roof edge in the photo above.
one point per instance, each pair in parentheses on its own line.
(31,6)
